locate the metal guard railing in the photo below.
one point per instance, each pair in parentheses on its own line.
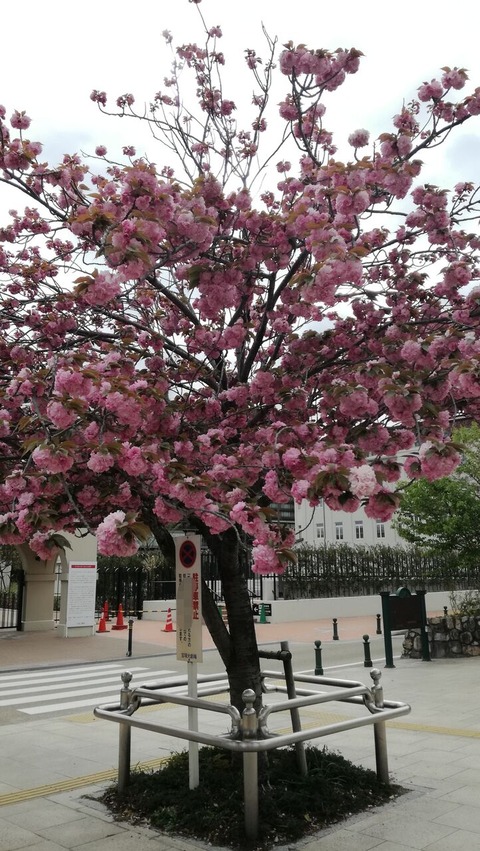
(249,732)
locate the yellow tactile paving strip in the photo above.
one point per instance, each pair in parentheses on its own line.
(73,783)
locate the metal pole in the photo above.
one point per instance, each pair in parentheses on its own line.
(318,659)
(130,637)
(250,766)
(124,737)
(193,769)
(379,730)
(294,713)
(379,625)
(423,627)
(335,630)
(366,652)
(387,629)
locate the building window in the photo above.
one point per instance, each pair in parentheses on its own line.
(320,530)
(359,529)
(380,530)
(339,531)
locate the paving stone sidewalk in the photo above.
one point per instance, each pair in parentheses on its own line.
(434,751)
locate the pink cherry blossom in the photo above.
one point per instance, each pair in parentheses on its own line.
(51,460)
(359,138)
(99,462)
(20,121)
(113,537)
(363,481)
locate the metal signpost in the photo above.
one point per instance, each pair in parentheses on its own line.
(189,628)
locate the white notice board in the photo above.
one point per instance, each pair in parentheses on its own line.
(189,598)
(82,581)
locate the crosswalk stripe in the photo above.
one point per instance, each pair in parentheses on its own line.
(97,690)
(76,704)
(55,672)
(71,704)
(84,681)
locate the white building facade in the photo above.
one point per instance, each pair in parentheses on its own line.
(320,526)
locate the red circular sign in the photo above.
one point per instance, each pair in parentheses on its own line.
(188,554)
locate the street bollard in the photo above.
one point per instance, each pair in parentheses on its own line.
(335,630)
(249,726)
(318,659)
(130,637)
(445,611)
(366,649)
(379,625)
(379,730)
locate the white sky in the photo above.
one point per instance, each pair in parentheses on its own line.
(53,53)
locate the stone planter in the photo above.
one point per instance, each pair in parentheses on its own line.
(448,637)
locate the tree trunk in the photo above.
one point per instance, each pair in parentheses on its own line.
(236,642)
(237,647)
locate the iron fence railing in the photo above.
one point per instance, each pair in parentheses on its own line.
(336,571)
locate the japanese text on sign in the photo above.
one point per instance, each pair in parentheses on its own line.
(188,602)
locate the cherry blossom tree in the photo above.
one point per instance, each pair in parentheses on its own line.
(182,346)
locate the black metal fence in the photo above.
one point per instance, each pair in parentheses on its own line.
(343,571)
(129,582)
(336,571)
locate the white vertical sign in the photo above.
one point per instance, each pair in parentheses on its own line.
(189,598)
(82,580)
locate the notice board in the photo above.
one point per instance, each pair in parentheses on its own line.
(82,581)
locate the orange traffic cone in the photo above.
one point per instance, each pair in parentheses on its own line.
(169,624)
(119,623)
(102,627)
(105,611)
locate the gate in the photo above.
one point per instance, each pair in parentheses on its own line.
(122,584)
(11,602)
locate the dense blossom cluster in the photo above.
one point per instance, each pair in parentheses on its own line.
(222,353)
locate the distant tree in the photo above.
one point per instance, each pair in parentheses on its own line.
(444,515)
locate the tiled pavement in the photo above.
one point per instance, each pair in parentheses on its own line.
(51,770)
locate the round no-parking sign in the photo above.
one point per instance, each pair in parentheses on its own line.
(187,554)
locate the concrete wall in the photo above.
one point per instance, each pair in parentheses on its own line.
(285,611)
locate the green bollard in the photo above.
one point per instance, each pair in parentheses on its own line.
(318,659)
(366,648)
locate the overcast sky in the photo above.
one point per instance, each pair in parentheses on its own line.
(53,53)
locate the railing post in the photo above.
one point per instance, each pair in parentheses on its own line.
(250,766)
(294,713)
(380,730)
(124,737)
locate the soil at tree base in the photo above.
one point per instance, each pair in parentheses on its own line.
(290,806)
